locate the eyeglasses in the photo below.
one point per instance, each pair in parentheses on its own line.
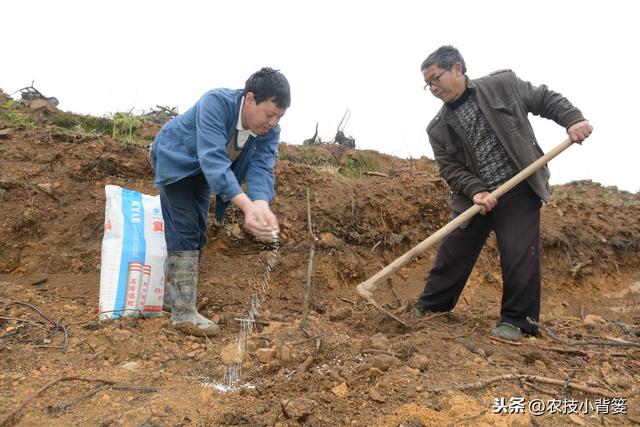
(435,80)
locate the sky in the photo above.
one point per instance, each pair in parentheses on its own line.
(99,57)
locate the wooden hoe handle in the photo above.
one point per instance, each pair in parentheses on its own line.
(366,288)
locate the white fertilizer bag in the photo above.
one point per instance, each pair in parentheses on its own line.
(133,255)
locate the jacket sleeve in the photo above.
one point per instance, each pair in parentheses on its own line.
(260,178)
(212,147)
(457,174)
(543,102)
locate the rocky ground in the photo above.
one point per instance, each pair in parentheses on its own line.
(354,365)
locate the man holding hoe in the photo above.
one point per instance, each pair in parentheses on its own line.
(481,137)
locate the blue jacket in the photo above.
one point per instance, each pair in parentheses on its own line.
(195,142)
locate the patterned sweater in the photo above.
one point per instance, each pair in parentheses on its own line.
(491,159)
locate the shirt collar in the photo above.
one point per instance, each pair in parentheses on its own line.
(239,127)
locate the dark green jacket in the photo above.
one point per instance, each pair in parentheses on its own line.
(505,101)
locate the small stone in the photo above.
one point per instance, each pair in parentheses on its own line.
(415,422)
(298,408)
(230,354)
(273,328)
(340,314)
(130,366)
(328,241)
(419,361)
(411,371)
(341,390)
(383,361)
(506,356)
(46,187)
(265,355)
(593,318)
(539,365)
(233,418)
(357,346)
(285,353)
(534,355)
(375,372)
(251,346)
(38,104)
(376,396)
(379,341)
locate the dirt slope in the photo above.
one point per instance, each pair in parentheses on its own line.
(363,368)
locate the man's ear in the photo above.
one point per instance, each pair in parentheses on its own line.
(249,96)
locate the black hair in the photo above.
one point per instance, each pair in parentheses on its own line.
(268,84)
(444,57)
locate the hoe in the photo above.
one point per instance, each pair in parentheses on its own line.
(365,289)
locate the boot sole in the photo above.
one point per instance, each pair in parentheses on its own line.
(194,330)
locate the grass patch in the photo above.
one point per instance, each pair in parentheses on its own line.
(334,158)
(125,127)
(355,164)
(88,124)
(11,115)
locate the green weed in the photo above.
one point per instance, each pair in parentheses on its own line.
(124,128)
(11,115)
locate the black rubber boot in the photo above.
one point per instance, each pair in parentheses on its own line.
(181,285)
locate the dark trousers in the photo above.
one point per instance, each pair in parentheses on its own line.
(185,209)
(516,222)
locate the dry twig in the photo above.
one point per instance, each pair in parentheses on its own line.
(29,322)
(513,343)
(376,351)
(434,315)
(302,341)
(39,282)
(256,321)
(576,386)
(48,385)
(305,366)
(464,334)
(58,326)
(537,388)
(312,251)
(372,173)
(576,268)
(586,342)
(581,352)
(388,313)
(396,298)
